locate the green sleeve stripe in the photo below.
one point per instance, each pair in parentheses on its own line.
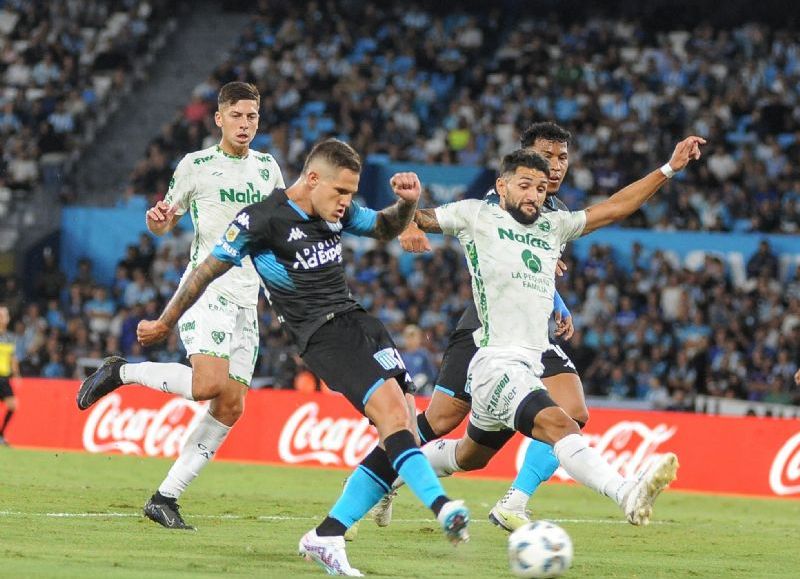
(480,288)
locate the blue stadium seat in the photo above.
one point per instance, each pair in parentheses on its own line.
(316,108)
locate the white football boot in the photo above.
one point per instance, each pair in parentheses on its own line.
(328,553)
(382,512)
(508,519)
(638,504)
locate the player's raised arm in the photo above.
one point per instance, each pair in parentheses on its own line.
(150,332)
(627,200)
(392,220)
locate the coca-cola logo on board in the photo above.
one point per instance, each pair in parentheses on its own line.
(143,431)
(784,475)
(628,446)
(329,441)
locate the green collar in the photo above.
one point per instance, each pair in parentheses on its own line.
(229,156)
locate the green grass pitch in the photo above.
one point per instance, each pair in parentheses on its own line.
(79,515)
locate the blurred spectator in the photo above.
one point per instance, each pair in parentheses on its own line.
(763,261)
(50,280)
(63,64)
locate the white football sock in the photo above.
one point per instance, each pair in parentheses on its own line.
(199,449)
(515,500)
(587,466)
(442,456)
(166,377)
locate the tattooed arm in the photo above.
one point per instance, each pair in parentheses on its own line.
(151,332)
(426,220)
(392,220)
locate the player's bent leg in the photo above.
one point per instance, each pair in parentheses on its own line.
(442,416)
(566,390)
(201,446)
(444,413)
(203,442)
(386,407)
(172,377)
(540,463)
(382,511)
(210,376)
(471,455)
(586,465)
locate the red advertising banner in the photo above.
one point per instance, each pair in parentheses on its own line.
(747,455)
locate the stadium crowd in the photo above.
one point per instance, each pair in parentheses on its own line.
(61,65)
(646,327)
(406,83)
(410,83)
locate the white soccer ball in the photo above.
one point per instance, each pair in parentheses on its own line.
(539,549)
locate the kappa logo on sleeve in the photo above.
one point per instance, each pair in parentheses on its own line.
(243,219)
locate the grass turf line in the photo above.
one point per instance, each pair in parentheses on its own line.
(250,518)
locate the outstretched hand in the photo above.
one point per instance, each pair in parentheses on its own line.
(406,186)
(685,151)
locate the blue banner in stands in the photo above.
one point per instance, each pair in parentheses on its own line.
(445,182)
(102,234)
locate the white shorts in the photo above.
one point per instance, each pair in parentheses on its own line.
(500,379)
(215,326)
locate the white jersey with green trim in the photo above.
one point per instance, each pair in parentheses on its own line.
(512,266)
(213,187)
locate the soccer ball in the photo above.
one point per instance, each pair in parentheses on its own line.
(539,549)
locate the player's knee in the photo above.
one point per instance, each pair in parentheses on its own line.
(581,416)
(234,407)
(555,424)
(228,407)
(208,387)
(11,404)
(389,417)
(395,420)
(444,414)
(443,424)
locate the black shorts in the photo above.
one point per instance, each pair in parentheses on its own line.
(452,377)
(556,361)
(5,388)
(354,354)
